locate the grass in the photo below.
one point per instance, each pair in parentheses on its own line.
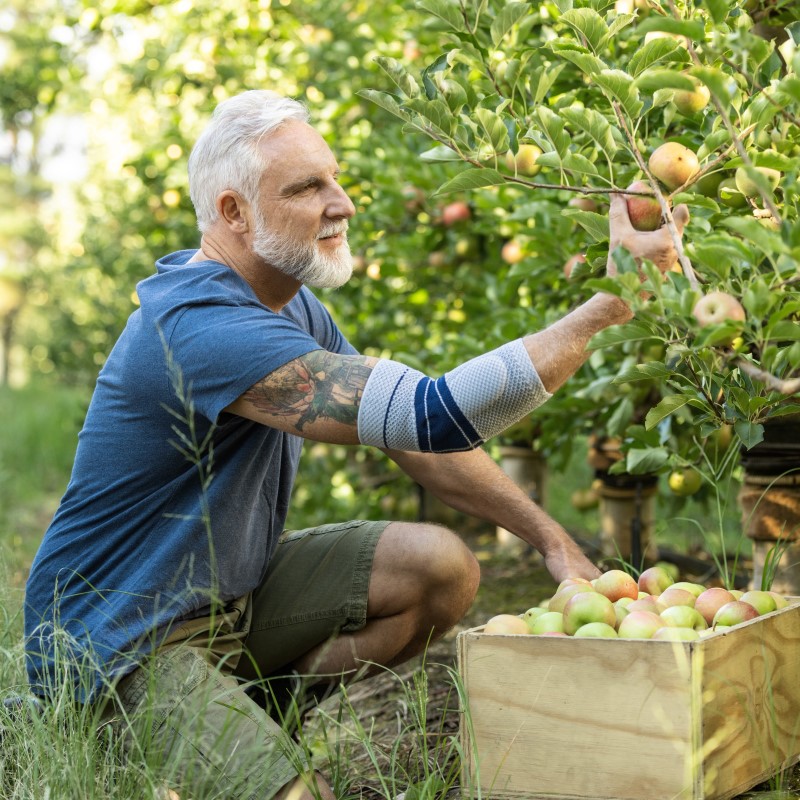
(57,756)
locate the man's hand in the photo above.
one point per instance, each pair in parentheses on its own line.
(564,559)
(657,246)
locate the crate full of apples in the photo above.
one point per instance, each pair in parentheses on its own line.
(638,690)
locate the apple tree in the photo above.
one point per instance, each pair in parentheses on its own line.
(550,107)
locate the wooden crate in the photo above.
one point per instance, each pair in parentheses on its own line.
(564,718)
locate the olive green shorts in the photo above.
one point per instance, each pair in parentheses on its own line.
(190,707)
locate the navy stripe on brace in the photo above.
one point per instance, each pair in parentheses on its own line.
(441,425)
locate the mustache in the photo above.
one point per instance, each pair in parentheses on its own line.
(333,229)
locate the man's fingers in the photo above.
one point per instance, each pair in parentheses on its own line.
(680,214)
(618,213)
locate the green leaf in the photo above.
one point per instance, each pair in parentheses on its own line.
(594,124)
(471,179)
(653,52)
(440,153)
(785,330)
(652,79)
(397,72)
(692,29)
(385,101)
(435,112)
(494,127)
(545,81)
(589,24)
(643,461)
(508,17)
(719,9)
(446,11)
(643,372)
(621,21)
(596,225)
(584,61)
(766,158)
(553,128)
(749,432)
(621,87)
(767,241)
(667,406)
(619,334)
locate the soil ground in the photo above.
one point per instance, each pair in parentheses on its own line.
(509,583)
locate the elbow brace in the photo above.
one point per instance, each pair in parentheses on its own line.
(402,409)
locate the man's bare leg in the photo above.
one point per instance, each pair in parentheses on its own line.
(299,789)
(423,581)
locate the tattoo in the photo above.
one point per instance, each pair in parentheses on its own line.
(318,385)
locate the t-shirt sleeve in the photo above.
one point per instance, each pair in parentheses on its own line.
(220,351)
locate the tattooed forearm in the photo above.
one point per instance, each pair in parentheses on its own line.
(315,386)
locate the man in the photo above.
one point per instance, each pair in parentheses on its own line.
(161,576)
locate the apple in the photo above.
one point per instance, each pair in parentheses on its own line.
(595,630)
(639,625)
(437,258)
(690,102)
(672,596)
(587,607)
(748,187)
(673,164)
(685,481)
(550,622)
(709,184)
(620,612)
(583,203)
(737,593)
(733,613)
(532,614)
(676,635)
(456,212)
(648,603)
(571,582)
(729,194)
(413,197)
(695,588)
(763,602)
(780,600)
(711,600)
(571,263)
(507,624)
(684,617)
(644,212)
(654,580)
(524,162)
(512,252)
(560,598)
(717,307)
(615,584)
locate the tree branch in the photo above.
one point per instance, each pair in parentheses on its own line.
(787,387)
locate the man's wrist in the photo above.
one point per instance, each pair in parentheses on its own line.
(615,308)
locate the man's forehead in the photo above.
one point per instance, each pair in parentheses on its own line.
(296,145)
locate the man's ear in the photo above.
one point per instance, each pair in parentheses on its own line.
(234,211)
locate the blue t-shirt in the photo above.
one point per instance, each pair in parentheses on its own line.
(171,502)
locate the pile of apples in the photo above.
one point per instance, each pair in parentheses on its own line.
(617,606)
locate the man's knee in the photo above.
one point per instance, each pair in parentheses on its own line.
(441,569)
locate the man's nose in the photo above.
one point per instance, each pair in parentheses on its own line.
(340,205)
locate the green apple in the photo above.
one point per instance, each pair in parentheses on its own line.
(654,580)
(763,602)
(550,622)
(685,481)
(587,607)
(729,194)
(524,162)
(748,186)
(595,630)
(506,624)
(695,588)
(532,614)
(684,617)
(676,635)
(690,102)
(673,164)
(639,625)
(672,596)
(560,598)
(780,600)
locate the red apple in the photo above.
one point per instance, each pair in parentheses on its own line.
(676,597)
(455,212)
(644,212)
(615,584)
(711,600)
(571,582)
(673,164)
(647,603)
(639,625)
(583,203)
(512,252)
(733,613)
(571,263)
(587,607)
(654,580)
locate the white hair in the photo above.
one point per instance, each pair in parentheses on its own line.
(225,156)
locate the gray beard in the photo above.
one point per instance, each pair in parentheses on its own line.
(304,262)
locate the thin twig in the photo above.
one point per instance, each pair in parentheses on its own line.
(686,265)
